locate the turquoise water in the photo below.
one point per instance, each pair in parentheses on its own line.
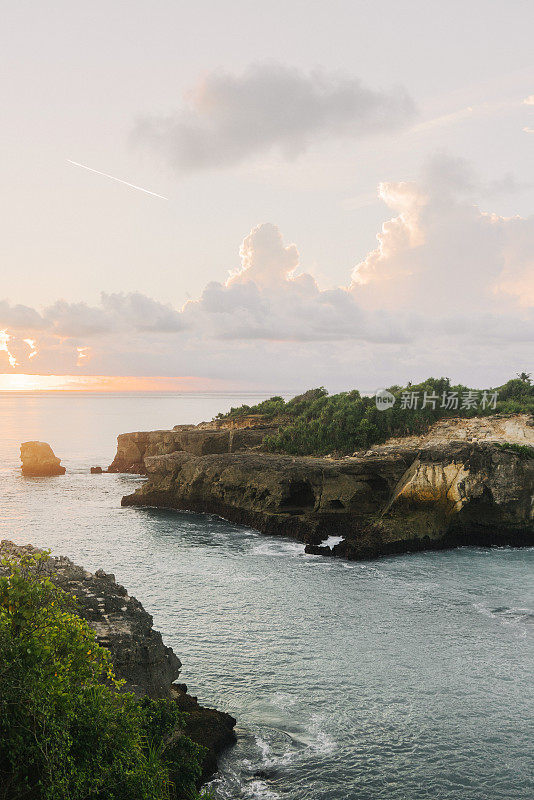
(407,678)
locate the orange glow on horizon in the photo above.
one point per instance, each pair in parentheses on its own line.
(19,382)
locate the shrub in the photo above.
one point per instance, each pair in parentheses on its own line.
(66,731)
(524,451)
(316,423)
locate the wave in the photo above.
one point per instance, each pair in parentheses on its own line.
(514,616)
(278,548)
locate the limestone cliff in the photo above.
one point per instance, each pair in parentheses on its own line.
(204,439)
(138,653)
(512,428)
(404,495)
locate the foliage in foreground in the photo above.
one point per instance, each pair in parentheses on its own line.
(66,732)
(316,423)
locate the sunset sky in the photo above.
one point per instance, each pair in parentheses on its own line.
(337,193)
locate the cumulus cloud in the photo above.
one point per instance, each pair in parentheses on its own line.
(441,251)
(229,118)
(265,260)
(449,289)
(268,299)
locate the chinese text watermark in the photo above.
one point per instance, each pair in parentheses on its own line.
(448,400)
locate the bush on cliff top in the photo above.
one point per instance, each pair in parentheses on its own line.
(524,451)
(65,729)
(316,423)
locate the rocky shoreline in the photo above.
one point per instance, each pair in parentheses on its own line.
(466,482)
(138,653)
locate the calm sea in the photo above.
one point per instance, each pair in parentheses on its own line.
(407,678)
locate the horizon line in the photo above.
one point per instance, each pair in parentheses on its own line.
(187,384)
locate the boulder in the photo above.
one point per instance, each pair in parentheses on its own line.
(208,727)
(38,459)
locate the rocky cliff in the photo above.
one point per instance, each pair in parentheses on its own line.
(204,439)
(138,653)
(465,482)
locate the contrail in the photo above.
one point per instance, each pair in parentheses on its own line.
(112,177)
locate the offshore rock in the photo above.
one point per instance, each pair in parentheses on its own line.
(38,460)
(138,653)
(402,496)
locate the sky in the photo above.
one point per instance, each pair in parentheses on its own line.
(276,196)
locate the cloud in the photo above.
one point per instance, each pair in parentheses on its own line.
(442,252)
(269,299)
(508,184)
(265,260)
(20,317)
(449,289)
(142,313)
(77,319)
(517,275)
(117,312)
(229,118)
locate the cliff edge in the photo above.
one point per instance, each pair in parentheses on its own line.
(138,653)
(464,482)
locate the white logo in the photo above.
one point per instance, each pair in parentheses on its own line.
(384,399)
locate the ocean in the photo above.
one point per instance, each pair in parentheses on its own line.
(405,678)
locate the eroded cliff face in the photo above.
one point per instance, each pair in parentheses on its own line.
(301,497)
(456,494)
(405,495)
(138,653)
(119,621)
(205,439)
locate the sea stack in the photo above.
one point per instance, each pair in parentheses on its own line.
(38,460)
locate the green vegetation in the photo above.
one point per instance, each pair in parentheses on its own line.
(524,451)
(316,423)
(276,407)
(66,731)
